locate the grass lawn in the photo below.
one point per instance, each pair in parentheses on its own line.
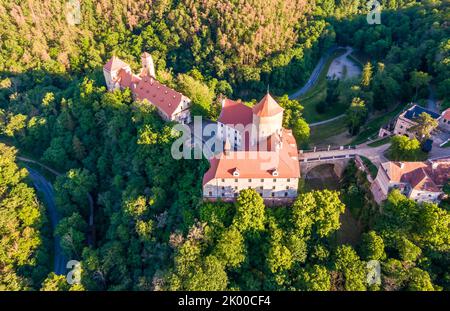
(373,126)
(380,142)
(373,170)
(318,93)
(321,132)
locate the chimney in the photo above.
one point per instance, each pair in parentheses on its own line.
(434,165)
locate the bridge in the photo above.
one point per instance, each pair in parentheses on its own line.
(338,157)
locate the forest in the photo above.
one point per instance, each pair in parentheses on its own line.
(152,230)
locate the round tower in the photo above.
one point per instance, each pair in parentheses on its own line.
(148,67)
(267,118)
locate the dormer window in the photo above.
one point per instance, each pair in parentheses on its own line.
(275,173)
(236,172)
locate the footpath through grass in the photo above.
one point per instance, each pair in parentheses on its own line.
(321,132)
(380,142)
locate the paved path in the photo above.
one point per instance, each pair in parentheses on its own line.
(327,121)
(374,154)
(437,152)
(27,160)
(315,74)
(45,187)
(336,69)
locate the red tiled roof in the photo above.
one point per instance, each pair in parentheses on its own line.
(267,107)
(420,175)
(446,114)
(419,180)
(257,164)
(377,192)
(115,63)
(160,95)
(440,174)
(395,172)
(235,112)
(127,79)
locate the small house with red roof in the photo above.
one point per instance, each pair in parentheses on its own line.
(171,105)
(444,122)
(420,181)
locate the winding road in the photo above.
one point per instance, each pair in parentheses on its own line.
(315,76)
(45,187)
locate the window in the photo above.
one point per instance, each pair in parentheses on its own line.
(285,194)
(235,180)
(262,188)
(210,193)
(287,187)
(223,180)
(274,180)
(273,194)
(273,187)
(249,187)
(262,180)
(288,180)
(223,188)
(249,180)
(235,195)
(223,194)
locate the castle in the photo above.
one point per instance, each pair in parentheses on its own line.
(172,105)
(258,154)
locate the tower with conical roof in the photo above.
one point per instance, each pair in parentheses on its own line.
(267,118)
(148,67)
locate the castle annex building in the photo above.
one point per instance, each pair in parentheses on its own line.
(172,105)
(407,119)
(420,181)
(258,154)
